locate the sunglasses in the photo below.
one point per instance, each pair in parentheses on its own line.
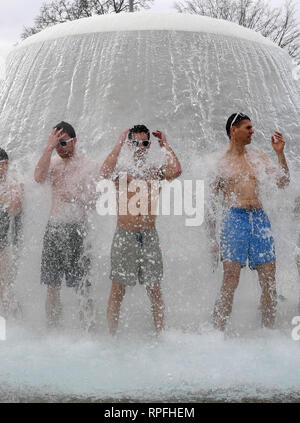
(65,142)
(236,116)
(137,143)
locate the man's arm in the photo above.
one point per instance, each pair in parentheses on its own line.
(172,169)
(297,208)
(42,168)
(12,199)
(283,178)
(211,220)
(17,200)
(109,165)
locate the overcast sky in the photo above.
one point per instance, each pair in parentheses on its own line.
(14,14)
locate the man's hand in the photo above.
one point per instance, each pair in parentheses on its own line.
(279,143)
(54,138)
(161,137)
(123,137)
(5,198)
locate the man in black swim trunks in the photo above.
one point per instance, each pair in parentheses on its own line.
(11,199)
(65,239)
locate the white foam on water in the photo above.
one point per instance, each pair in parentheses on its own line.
(179,365)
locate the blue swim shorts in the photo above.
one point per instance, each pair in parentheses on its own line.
(247,235)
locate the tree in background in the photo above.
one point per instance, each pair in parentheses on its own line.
(59,11)
(278,24)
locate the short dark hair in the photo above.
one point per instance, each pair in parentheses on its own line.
(68,129)
(3,154)
(237,118)
(137,129)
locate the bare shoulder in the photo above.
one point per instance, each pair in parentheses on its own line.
(221,166)
(88,165)
(55,164)
(259,154)
(55,170)
(262,161)
(87,161)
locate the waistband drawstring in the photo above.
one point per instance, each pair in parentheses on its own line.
(139,237)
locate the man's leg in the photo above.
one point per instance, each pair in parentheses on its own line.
(157,306)
(298,267)
(268,302)
(4,281)
(223,306)
(114,305)
(86,307)
(53,257)
(298,263)
(78,271)
(53,306)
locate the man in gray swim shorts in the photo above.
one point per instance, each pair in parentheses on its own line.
(135,254)
(71,177)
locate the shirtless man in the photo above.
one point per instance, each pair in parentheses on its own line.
(71,180)
(136,254)
(245,229)
(11,199)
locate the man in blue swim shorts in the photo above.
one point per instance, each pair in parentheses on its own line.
(246,235)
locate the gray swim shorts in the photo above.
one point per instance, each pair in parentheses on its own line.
(4,228)
(136,257)
(64,255)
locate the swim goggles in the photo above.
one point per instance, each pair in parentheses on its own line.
(65,142)
(137,143)
(236,116)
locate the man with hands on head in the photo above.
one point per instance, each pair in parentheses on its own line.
(245,228)
(72,178)
(135,253)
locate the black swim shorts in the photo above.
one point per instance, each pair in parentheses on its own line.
(64,255)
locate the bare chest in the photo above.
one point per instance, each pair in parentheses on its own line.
(131,187)
(237,172)
(64,177)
